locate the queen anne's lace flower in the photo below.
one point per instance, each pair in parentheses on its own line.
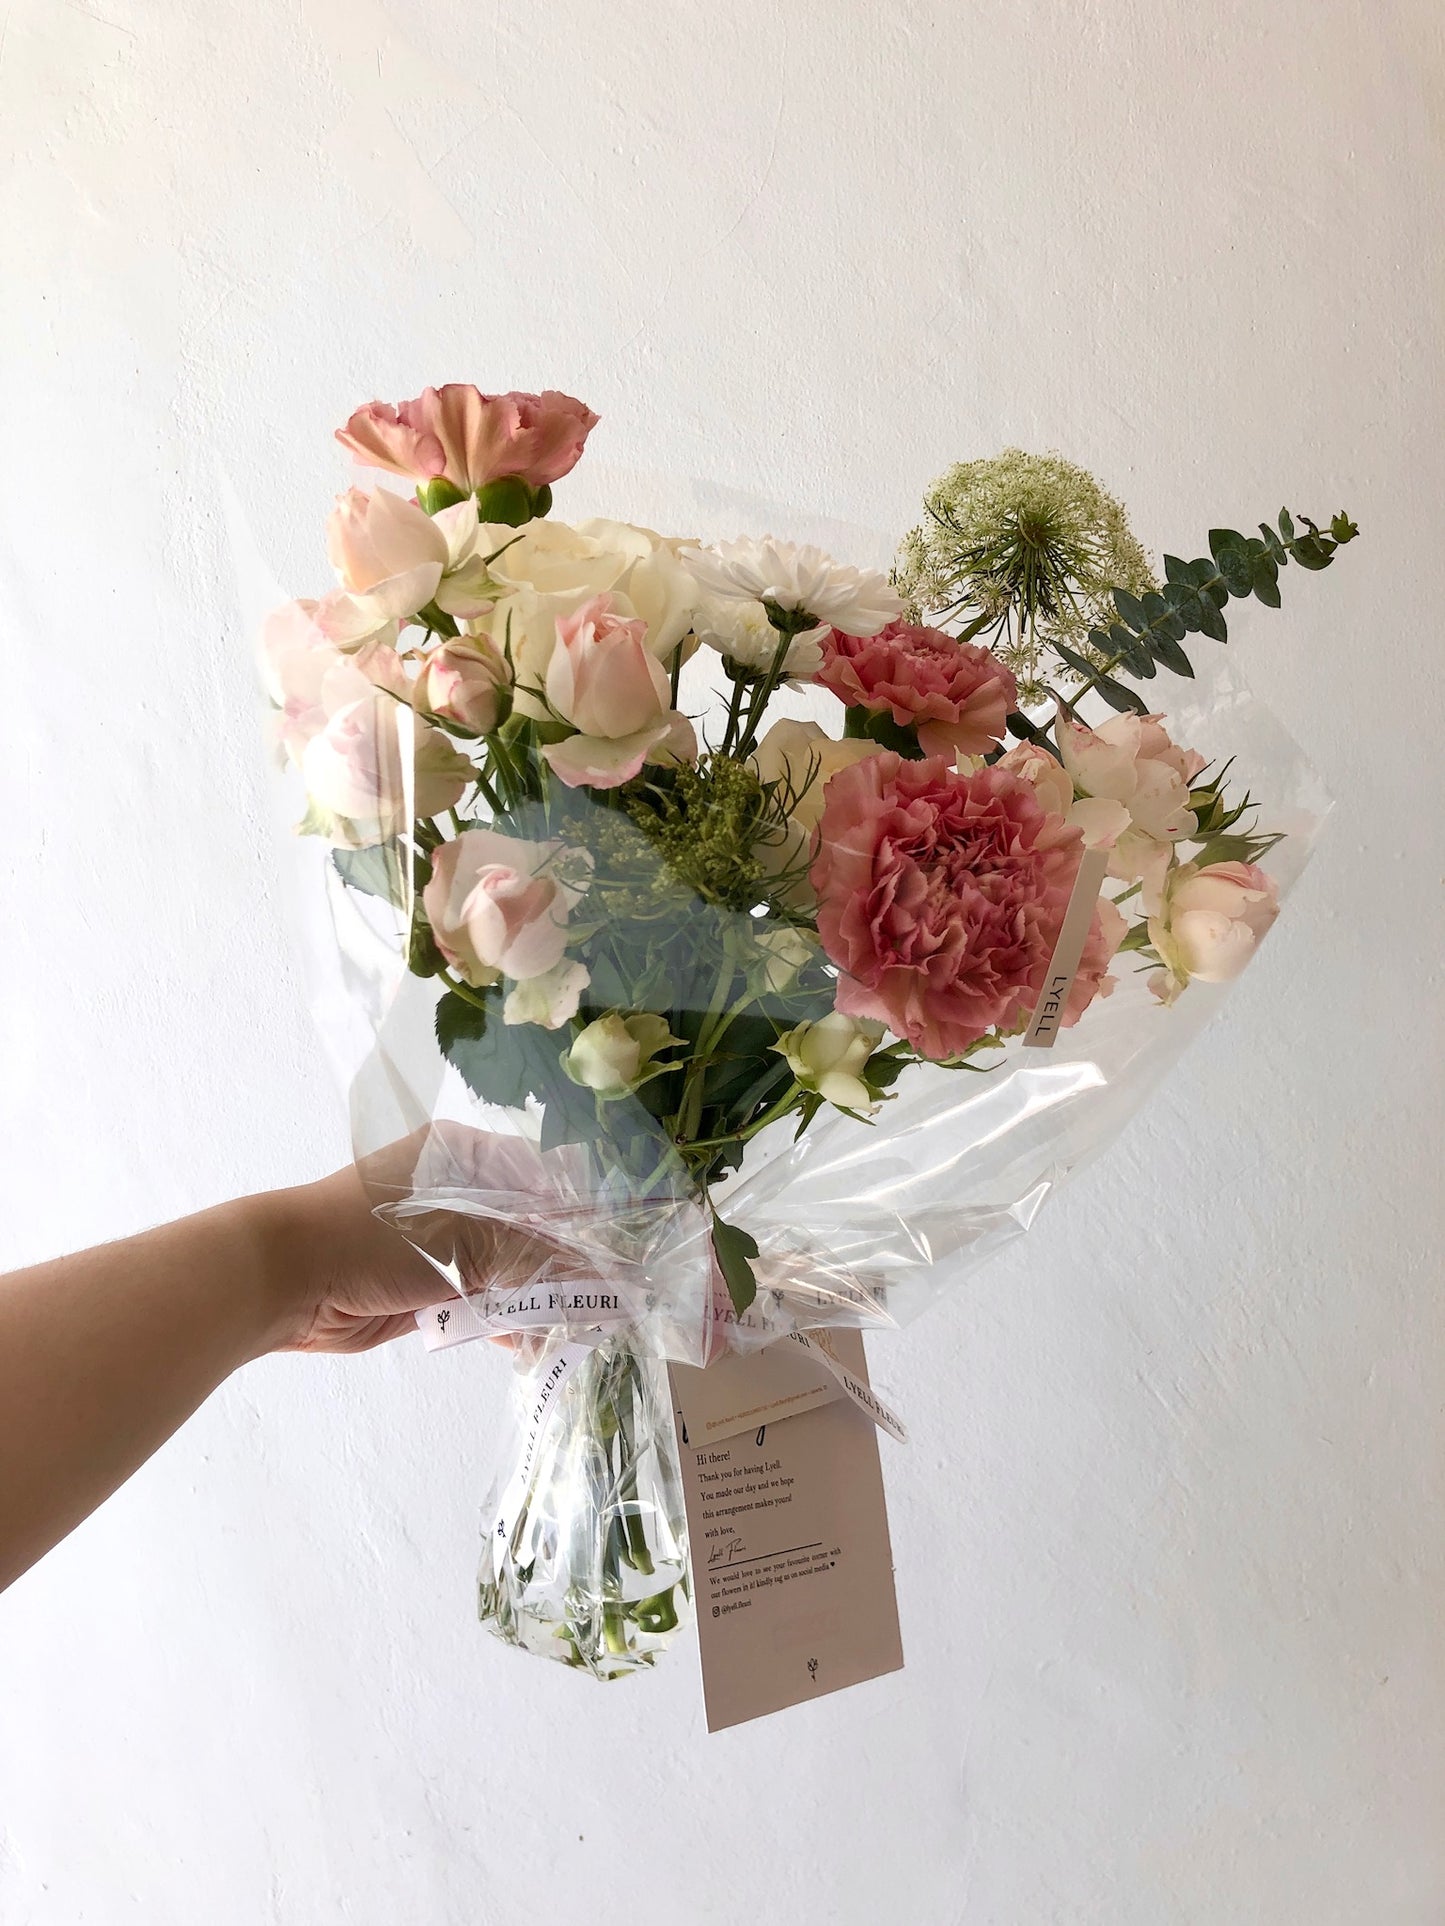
(796,579)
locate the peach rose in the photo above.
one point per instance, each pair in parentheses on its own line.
(1132,761)
(309,678)
(464,681)
(354,770)
(1101,821)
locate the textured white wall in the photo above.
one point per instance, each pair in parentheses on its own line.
(1169,1536)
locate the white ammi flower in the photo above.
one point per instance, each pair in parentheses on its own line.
(857,600)
(742,634)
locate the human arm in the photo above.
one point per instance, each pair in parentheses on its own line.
(104,1353)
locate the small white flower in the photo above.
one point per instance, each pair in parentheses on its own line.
(857,600)
(742,634)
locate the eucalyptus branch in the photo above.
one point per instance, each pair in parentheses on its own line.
(1149,629)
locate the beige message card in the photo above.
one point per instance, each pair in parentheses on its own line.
(791,1562)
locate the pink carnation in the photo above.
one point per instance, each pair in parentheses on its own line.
(940,896)
(471,438)
(956,694)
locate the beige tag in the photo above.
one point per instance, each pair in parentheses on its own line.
(753,1389)
(791,1564)
(1043,1028)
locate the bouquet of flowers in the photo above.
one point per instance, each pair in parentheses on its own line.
(743,941)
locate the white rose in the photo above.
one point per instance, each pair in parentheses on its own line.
(783,953)
(806,756)
(828,1057)
(550,569)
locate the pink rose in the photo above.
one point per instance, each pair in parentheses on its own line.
(1107,931)
(956,694)
(1132,764)
(309,678)
(354,770)
(1211,922)
(1102,821)
(497,906)
(463,681)
(471,438)
(940,895)
(605,681)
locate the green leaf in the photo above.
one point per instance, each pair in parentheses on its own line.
(1163,618)
(1072,659)
(1286,525)
(1136,939)
(1266,580)
(878,726)
(1173,657)
(376,871)
(1223,541)
(1132,650)
(1118,697)
(1211,619)
(503,1063)
(1131,609)
(1309,552)
(1236,568)
(735,1250)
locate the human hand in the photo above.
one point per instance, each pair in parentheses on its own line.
(344,1280)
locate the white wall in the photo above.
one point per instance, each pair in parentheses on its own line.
(1169,1535)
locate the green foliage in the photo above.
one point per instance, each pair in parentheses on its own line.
(735,1250)
(375,871)
(706,820)
(1148,630)
(877,725)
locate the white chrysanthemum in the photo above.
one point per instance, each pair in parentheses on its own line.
(742,634)
(857,600)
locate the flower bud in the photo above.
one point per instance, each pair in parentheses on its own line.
(615,1053)
(828,1057)
(507,499)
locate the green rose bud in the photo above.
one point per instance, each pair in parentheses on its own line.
(828,1058)
(615,1053)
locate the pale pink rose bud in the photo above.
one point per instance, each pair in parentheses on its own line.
(1213,919)
(463,681)
(497,906)
(602,678)
(471,438)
